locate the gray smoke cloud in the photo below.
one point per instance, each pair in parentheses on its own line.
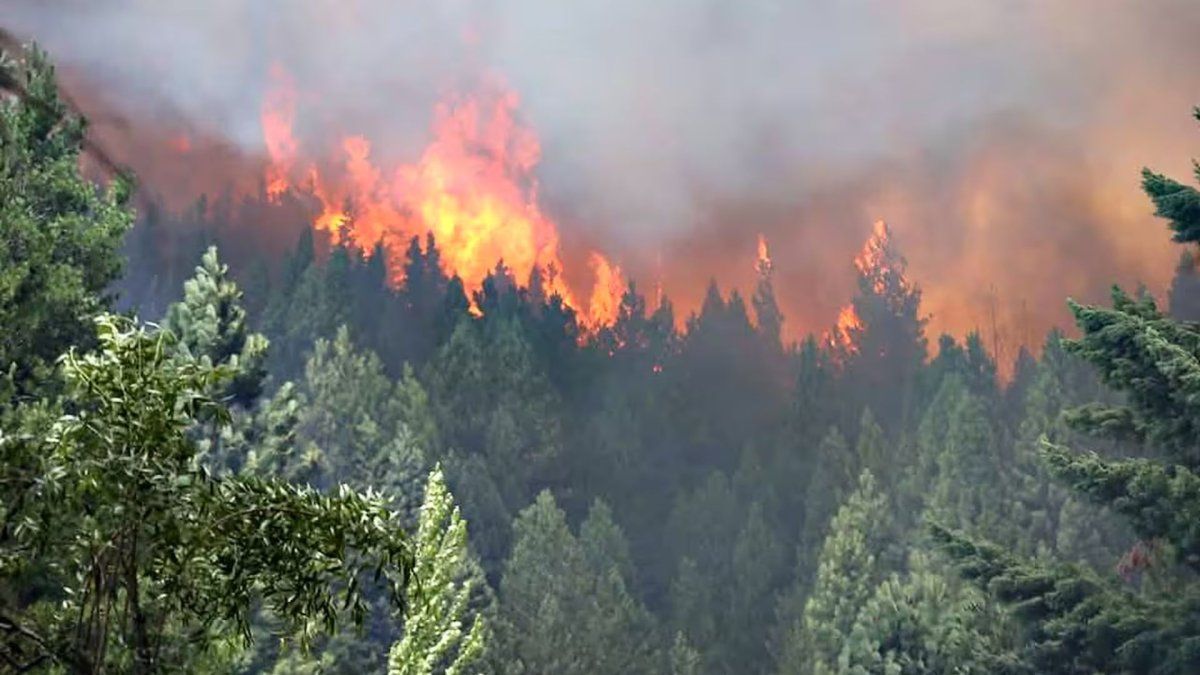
(1001,139)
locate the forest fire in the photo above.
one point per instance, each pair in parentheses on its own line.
(473,187)
(278,116)
(881,270)
(762,264)
(306,328)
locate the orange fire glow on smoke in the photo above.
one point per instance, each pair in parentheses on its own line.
(473,187)
(872,264)
(278,115)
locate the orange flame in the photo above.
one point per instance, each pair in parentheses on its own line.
(277,115)
(606,294)
(763,264)
(871,263)
(841,338)
(473,187)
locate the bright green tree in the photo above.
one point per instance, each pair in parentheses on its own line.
(923,623)
(440,636)
(850,566)
(210,323)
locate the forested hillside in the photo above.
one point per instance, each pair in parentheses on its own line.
(313,465)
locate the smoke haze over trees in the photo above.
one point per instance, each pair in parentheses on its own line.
(997,139)
(271,450)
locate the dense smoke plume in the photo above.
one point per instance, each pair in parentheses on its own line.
(1000,140)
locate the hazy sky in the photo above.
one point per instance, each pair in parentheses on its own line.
(1001,139)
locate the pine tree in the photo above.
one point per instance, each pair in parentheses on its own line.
(969,489)
(700,535)
(543,584)
(725,391)
(311,303)
(758,565)
(352,422)
(210,323)
(562,614)
(694,608)
(922,623)
(440,636)
(871,451)
(1078,620)
(830,483)
(768,319)
(426,295)
(883,353)
(851,565)
(814,394)
(490,398)
(604,543)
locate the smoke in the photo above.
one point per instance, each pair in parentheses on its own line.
(1001,140)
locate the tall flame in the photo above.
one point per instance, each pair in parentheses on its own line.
(606,294)
(763,264)
(473,187)
(872,264)
(278,115)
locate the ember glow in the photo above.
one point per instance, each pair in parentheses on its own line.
(473,187)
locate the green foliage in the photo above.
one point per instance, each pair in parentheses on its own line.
(604,543)
(920,624)
(1159,501)
(882,356)
(872,448)
(143,558)
(489,397)
(969,473)
(1078,621)
(850,566)
(1179,204)
(685,660)
(717,447)
(830,483)
(758,567)
(437,637)
(351,424)
(210,323)
(59,234)
(1153,360)
(560,613)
